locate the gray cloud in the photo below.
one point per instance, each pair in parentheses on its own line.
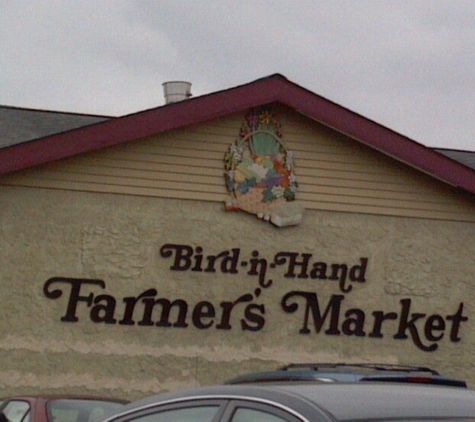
(407,64)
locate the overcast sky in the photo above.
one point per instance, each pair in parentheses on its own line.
(408,65)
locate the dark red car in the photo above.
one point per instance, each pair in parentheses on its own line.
(57,408)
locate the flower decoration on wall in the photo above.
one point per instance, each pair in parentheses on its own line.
(259,171)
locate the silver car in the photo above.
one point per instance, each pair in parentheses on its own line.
(306,402)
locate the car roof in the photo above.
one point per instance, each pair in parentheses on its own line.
(397,401)
(260,394)
(350,372)
(344,401)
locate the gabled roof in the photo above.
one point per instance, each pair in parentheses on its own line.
(19,125)
(272,89)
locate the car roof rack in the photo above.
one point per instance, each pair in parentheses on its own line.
(370,366)
(349,372)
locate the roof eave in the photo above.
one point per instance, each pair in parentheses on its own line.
(275,88)
(138,125)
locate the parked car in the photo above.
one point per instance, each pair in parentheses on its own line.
(305,402)
(57,408)
(350,372)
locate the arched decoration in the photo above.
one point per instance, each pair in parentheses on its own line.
(259,171)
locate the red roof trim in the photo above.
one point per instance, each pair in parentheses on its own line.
(275,88)
(380,138)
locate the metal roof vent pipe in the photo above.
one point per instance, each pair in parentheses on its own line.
(176,91)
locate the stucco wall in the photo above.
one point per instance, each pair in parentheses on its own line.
(118,239)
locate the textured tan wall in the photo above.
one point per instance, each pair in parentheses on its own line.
(117,238)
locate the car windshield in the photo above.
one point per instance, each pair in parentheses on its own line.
(76,410)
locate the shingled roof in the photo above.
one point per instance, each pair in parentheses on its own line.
(466,158)
(43,147)
(19,125)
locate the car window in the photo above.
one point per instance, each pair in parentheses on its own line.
(252,415)
(77,410)
(250,411)
(17,411)
(188,414)
(64,415)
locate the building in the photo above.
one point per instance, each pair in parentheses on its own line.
(227,233)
